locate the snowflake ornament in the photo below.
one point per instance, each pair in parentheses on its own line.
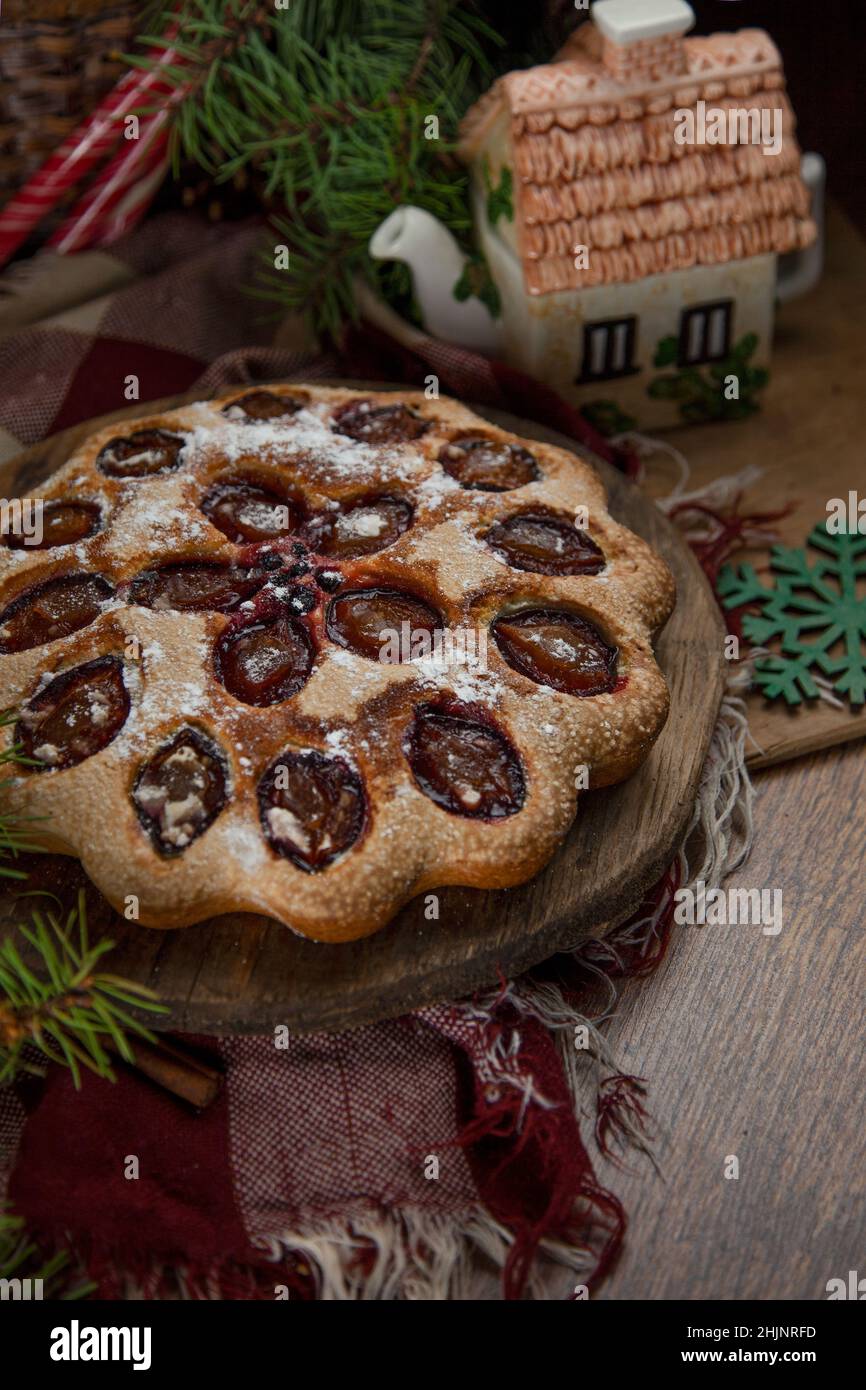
(813,610)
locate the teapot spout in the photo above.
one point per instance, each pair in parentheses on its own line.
(414,236)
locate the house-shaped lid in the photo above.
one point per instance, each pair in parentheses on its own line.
(653,151)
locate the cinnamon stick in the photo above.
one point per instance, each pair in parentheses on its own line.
(185,1076)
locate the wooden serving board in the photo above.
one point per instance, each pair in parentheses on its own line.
(245,973)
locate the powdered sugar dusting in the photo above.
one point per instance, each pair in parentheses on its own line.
(455,670)
(435,489)
(246,846)
(338,741)
(159,698)
(307,441)
(156,514)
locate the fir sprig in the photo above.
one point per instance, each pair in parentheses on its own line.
(21,1258)
(65,1011)
(327,106)
(70,1012)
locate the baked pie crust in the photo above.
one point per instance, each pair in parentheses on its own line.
(196,656)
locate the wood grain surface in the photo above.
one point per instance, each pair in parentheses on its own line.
(753,1046)
(243,973)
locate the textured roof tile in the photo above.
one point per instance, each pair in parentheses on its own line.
(597,164)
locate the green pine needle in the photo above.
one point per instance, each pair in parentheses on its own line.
(326,107)
(61,1005)
(21,1258)
(56,1002)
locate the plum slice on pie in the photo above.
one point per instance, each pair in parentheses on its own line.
(247,511)
(380,424)
(312,808)
(180,790)
(489,465)
(468,767)
(544,545)
(263,405)
(265,662)
(141,454)
(75,715)
(558,649)
(63,523)
(360,529)
(53,609)
(376,623)
(194,587)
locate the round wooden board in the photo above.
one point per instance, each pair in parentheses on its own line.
(243,973)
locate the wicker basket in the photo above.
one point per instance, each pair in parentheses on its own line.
(57,59)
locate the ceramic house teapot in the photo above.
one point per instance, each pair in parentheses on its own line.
(641,202)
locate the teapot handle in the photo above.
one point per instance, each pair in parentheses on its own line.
(801,271)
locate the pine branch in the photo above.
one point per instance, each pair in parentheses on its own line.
(21,1258)
(327,107)
(65,1011)
(70,1008)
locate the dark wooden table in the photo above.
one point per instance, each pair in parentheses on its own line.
(754,1045)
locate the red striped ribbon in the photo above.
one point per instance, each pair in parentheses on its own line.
(82,151)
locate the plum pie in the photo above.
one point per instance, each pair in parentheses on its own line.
(308,652)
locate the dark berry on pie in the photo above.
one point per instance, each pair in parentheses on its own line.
(194,587)
(478,461)
(360,529)
(380,424)
(140,455)
(53,609)
(465,766)
(558,649)
(299,598)
(382,624)
(312,808)
(271,560)
(180,790)
(545,545)
(247,511)
(263,405)
(329,580)
(63,523)
(75,715)
(266,662)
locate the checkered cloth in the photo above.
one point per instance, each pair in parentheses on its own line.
(170,305)
(433,1156)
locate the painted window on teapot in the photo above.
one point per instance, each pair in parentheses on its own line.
(705,333)
(608,349)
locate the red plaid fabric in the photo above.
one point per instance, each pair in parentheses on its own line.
(183,318)
(406,1159)
(423,1157)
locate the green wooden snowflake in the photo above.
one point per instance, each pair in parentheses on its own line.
(812,610)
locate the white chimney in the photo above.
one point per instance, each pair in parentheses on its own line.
(642,40)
